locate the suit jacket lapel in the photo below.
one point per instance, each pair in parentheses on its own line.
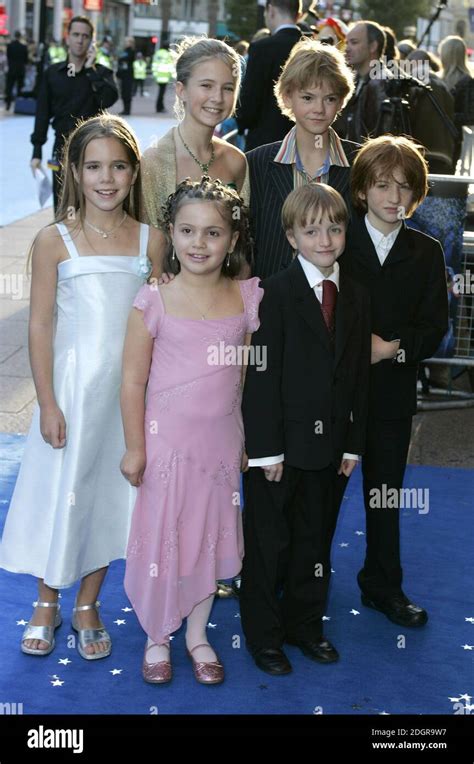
(401,248)
(281,177)
(360,246)
(345,317)
(307,303)
(339,178)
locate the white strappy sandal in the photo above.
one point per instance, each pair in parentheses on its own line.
(44,633)
(88,636)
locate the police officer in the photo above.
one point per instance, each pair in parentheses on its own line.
(163,70)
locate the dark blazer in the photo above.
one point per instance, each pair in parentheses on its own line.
(257,108)
(270,184)
(307,380)
(64,99)
(409,301)
(17,56)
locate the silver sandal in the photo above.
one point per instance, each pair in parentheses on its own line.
(44,633)
(88,636)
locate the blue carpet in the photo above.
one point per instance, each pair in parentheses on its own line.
(427,672)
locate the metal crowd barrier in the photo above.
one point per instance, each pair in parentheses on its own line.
(464,324)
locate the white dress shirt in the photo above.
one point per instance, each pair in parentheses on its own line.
(383,244)
(286,26)
(315,280)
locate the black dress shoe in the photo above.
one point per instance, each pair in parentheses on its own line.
(398,609)
(320,650)
(272,660)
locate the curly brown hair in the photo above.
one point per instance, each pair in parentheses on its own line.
(230,205)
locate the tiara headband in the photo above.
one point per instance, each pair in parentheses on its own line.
(218,192)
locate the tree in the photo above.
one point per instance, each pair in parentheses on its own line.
(242,18)
(397,14)
(165,21)
(212,13)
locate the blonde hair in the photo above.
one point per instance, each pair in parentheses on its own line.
(307,204)
(310,64)
(192,51)
(453,54)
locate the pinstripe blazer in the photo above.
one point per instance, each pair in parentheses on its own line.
(270,184)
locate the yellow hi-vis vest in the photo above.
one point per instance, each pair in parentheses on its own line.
(139,69)
(56,54)
(103,58)
(162,67)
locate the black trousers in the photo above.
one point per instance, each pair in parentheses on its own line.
(288,530)
(14,76)
(126,87)
(57,174)
(160,101)
(384,463)
(138,86)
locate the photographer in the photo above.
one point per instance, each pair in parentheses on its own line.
(365,46)
(428,125)
(73,89)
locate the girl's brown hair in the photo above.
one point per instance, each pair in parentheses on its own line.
(230,205)
(71,199)
(377,160)
(103,126)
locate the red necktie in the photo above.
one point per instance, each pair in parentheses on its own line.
(329,304)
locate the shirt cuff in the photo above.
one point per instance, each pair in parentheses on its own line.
(266,461)
(351,456)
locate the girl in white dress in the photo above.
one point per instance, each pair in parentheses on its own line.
(71,509)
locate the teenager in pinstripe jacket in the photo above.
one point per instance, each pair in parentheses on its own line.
(314,86)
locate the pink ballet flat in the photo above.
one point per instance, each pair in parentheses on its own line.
(207,673)
(156,673)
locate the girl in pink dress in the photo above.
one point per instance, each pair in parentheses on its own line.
(186,348)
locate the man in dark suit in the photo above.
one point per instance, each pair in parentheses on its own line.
(365,46)
(258,110)
(404,272)
(17,56)
(307,407)
(311,152)
(74,89)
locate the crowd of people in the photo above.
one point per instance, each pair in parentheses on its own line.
(296,260)
(23,65)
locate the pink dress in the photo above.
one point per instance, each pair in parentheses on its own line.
(186,528)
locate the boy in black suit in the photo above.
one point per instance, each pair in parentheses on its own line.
(308,410)
(404,271)
(312,89)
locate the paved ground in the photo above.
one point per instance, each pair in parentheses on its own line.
(444,438)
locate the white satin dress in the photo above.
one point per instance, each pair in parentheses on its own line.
(71,508)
